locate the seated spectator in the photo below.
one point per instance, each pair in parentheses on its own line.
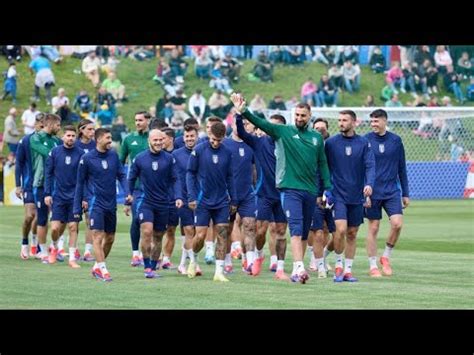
(409,79)
(105,116)
(442,59)
(275,54)
(219,104)
(431,74)
(328,93)
(248,52)
(465,66)
(336,75)
(91,67)
(203,65)
(451,81)
(12,53)
(9,87)
(115,87)
(197,50)
(369,101)
(141,53)
(293,55)
(377,61)
(277,103)
(319,55)
(216,53)
(60,100)
(309,93)
(152,111)
(257,104)
(423,54)
(67,116)
(351,75)
(177,64)
(178,104)
(44,77)
(164,110)
(231,68)
(218,80)
(395,78)
(105,97)
(421,80)
(263,69)
(291,103)
(394,101)
(470,90)
(386,93)
(197,106)
(52,53)
(83,103)
(350,53)
(119,131)
(111,64)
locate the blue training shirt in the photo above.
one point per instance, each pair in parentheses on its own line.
(181,156)
(23,166)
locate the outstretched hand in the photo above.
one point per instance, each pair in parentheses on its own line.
(238,101)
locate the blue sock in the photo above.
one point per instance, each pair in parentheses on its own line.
(147,263)
(24,241)
(154,263)
(135,233)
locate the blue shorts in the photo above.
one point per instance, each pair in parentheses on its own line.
(319,216)
(173,217)
(186,216)
(158,215)
(391,206)
(246,208)
(62,211)
(218,215)
(103,220)
(42,211)
(270,210)
(28,197)
(298,206)
(137,201)
(354,214)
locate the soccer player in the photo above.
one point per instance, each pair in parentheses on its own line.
(268,197)
(323,222)
(186,215)
(243,164)
(41,144)
(211,189)
(99,169)
(300,153)
(86,142)
(390,167)
(24,190)
(179,141)
(156,170)
(352,167)
(135,143)
(60,185)
(173,218)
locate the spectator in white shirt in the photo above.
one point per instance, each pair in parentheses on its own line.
(60,100)
(29,118)
(197,106)
(91,66)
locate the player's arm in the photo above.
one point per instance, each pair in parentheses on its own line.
(48,178)
(124,151)
(82,174)
(323,166)
(122,178)
(191,179)
(37,146)
(178,189)
(19,166)
(231,185)
(248,138)
(402,175)
(369,163)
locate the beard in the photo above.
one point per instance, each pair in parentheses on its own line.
(301,125)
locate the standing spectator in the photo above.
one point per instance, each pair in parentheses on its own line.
(197,106)
(328,94)
(309,93)
(113,85)
(44,77)
(29,118)
(442,59)
(60,100)
(9,87)
(465,66)
(248,52)
(277,103)
(263,69)
(91,67)
(11,133)
(257,104)
(351,74)
(377,61)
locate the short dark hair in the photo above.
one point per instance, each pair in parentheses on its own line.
(70,128)
(379,113)
(214,119)
(190,121)
(144,113)
(218,129)
(50,117)
(99,132)
(304,105)
(168,131)
(158,123)
(40,116)
(350,113)
(33,104)
(278,117)
(189,128)
(320,119)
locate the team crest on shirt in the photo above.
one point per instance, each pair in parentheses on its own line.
(348,150)
(381,148)
(288,214)
(154,165)
(241,152)
(315,141)
(215,158)
(68,160)
(86,150)
(104,164)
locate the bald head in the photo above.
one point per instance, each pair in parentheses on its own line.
(155,140)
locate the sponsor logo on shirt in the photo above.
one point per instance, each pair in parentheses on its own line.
(315,141)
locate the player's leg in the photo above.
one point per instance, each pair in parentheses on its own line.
(393,207)
(210,244)
(135,230)
(72,228)
(236,249)
(146,229)
(30,213)
(373,215)
(42,212)
(221,217)
(202,218)
(56,227)
(98,224)
(355,217)
(160,222)
(88,241)
(315,238)
(186,217)
(170,240)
